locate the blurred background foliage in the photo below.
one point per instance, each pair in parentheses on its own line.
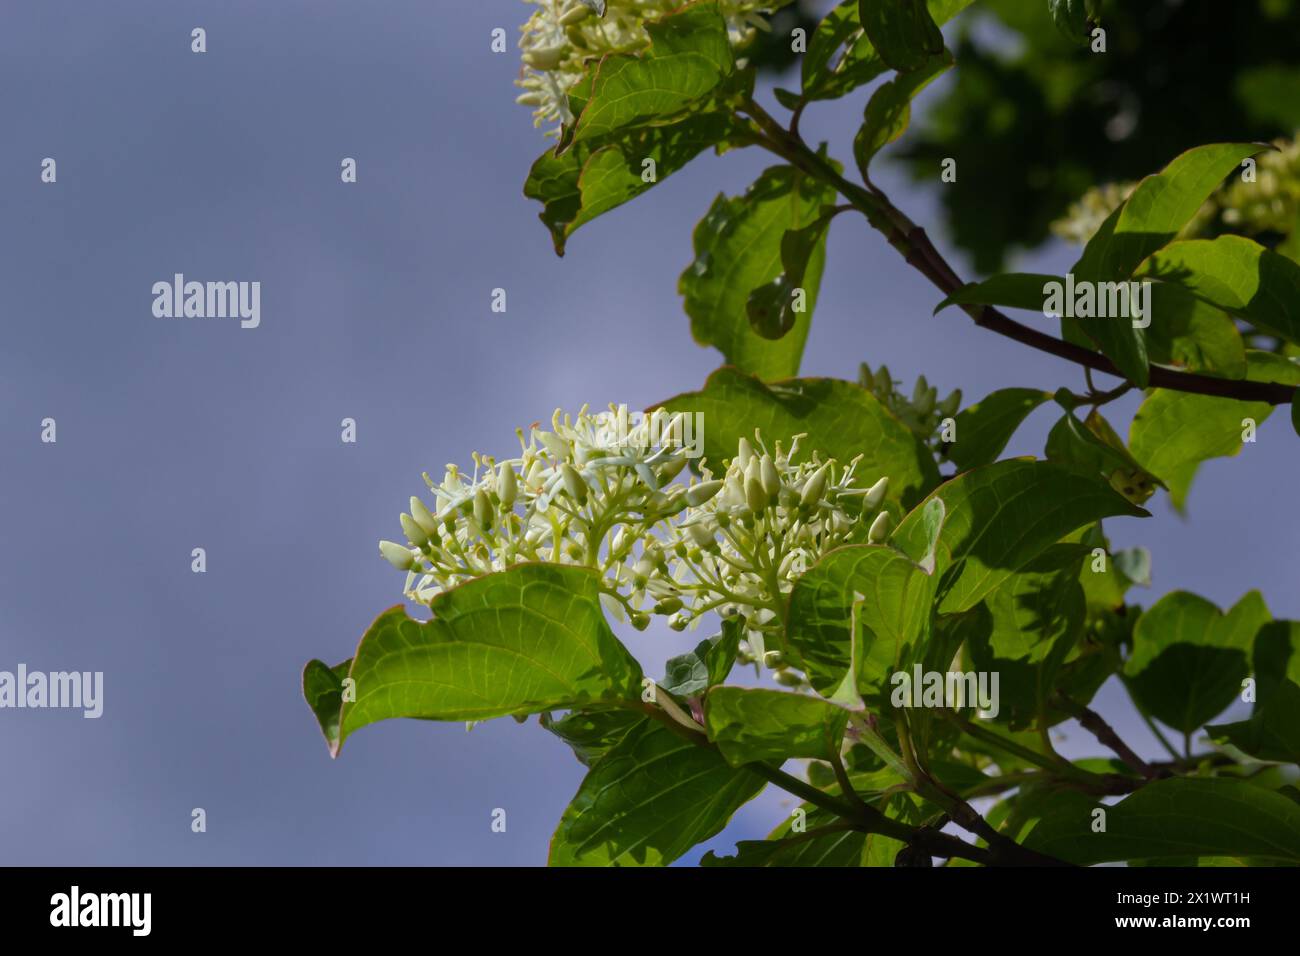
(1035,120)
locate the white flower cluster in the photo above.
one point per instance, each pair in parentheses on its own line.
(597,491)
(563,36)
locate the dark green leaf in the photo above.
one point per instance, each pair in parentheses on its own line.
(984,428)
(690,674)
(592,733)
(1273,732)
(1189,658)
(775,307)
(1013,290)
(902,31)
(649,800)
(1000,517)
(322,687)
(1173,819)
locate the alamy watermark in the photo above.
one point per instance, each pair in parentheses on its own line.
(179,299)
(950,689)
(1098,300)
(75,690)
(659,429)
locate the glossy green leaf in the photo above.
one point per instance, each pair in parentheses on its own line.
(891,619)
(737,250)
(649,800)
(1000,517)
(750,724)
(688,58)
(1012,290)
(322,688)
(1272,732)
(839,419)
(1237,275)
(592,733)
(596,176)
(902,31)
(1155,212)
(1176,818)
(1189,658)
(983,429)
(890,108)
(513,643)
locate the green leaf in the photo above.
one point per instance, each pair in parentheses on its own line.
(1000,517)
(1188,333)
(594,177)
(649,800)
(1273,732)
(592,733)
(1013,290)
(1173,432)
(737,250)
(902,31)
(513,643)
(841,57)
(750,724)
(1175,818)
(775,307)
(890,108)
(322,688)
(785,847)
(1189,658)
(891,620)
(984,428)
(1092,447)
(690,674)
(1037,619)
(1237,275)
(688,58)
(840,419)
(1155,212)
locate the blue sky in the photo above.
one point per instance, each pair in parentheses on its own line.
(174,435)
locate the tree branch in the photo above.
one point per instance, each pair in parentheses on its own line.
(915,246)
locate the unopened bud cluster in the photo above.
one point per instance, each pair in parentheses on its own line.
(562,37)
(923,413)
(594,491)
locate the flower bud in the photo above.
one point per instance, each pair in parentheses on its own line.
(531,98)
(875,495)
(575,14)
(744,453)
(950,404)
(422,516)
(671,469)
(669,605)
(545,57)
(573,483)
(878,533)
(399,556)
(787,678)
(696,495)
(771,480)
(417,535)
(700,534)
(773,659)
(815,485)
(755,496)
(640,620)
(507,488)
(483,511)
